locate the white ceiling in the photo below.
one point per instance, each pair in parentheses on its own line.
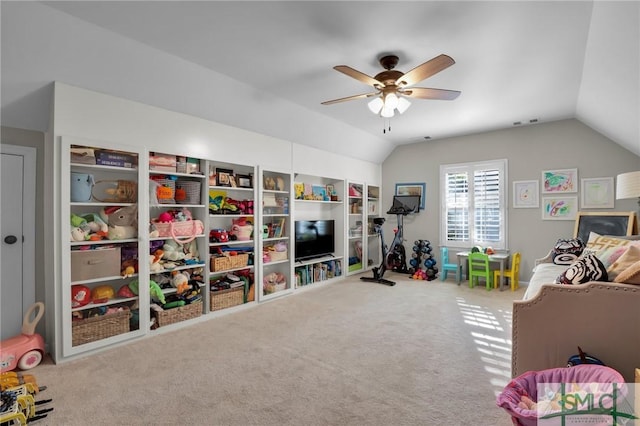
(515,61)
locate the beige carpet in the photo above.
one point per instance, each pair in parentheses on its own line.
(349,353)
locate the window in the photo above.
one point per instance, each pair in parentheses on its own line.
(473,204)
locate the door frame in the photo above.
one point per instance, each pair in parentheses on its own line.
(29,219)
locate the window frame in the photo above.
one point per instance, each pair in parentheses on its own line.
(470,168)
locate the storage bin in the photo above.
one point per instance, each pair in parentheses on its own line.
(94,264)
(188,191)
(222,299)
(223,263)
(100,327)
(82,155)
(162,162)
(181,313)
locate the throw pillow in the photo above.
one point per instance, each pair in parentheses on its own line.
(631,256)
(631,275)
(589,268)
(599,242)
(567,251)
(609,255)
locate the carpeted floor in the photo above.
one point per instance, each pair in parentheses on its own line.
(349,353)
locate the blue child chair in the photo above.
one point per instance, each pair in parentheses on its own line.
(445,266)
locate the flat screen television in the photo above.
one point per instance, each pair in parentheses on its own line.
(314,238)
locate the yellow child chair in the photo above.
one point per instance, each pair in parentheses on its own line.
(479,268)
(446,266)
(512,273)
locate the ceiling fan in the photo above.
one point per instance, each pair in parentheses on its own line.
(392,86)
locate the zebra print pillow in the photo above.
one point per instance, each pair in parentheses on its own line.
(589,268)
(567,251)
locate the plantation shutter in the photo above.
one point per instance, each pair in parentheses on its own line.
(457,206)
(473,204)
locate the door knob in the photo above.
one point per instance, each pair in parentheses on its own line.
(10,239)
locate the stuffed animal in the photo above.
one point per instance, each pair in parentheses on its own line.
(122,222)
(154,261)
(173,251)
(79,234)
(241,230)
(154,290)
(180,281)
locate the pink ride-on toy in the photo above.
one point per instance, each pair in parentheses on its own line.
(26,350)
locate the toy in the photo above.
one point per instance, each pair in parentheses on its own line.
(125,291)
(121,221)
(26,350)
(218,236)
(154,261)
(241,230)
(173,251)
(102,293)
(79,234)
(272,280)
(80,295)
(154,290)
(180,281)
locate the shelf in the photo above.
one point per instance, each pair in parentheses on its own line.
(176,206)
(178,174)
(231,188)
(226,271)
(99,242)
(266,264)
(115,301)
(318,201)
(99,167)
(232,243)
(181,268)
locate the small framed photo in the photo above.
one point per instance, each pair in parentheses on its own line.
(330,189)
(525,194)
(556,181)
(244,181)
(559,207)
(224,176)
(596,193)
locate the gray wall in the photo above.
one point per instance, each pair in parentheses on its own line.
(33,139)
(529,150)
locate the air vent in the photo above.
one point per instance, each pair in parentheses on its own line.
(426,138)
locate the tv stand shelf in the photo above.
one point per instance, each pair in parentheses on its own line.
(321,269)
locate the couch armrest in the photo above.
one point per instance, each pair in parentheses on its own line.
(602,318)
(547,259)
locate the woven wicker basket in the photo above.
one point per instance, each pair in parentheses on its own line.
(181,313)
(223,263)
(187,192)
(222,299)
(275,256)
(98,328)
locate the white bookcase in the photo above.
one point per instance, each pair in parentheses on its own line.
(275,246)
(233,235)
(178,251)
(94,311)
(372,210)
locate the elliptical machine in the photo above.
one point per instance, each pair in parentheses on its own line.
(393,257)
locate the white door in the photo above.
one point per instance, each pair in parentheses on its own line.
(17,229)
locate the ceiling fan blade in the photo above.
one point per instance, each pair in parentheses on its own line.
(349,98)
(425,70)
(360,76)
(427,93)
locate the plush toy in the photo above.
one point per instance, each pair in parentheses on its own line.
(180,281)
(271,280)
(173,251)
(97,227)
(79,234)
(122,222)
(154,261)
(154,290)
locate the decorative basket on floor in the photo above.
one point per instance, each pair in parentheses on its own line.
(100,327)
(222,299)
(223,263)
(181,313)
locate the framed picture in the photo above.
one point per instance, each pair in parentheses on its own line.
(244,181)
(525,194)
(559,208)
(224,176)
(413,189)
(330,189)
(555,181)
(596,193)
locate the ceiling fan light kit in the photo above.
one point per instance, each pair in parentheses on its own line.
(393,86)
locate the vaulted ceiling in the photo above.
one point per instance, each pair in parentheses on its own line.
(266,66)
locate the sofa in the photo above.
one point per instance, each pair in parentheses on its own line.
(602,317)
